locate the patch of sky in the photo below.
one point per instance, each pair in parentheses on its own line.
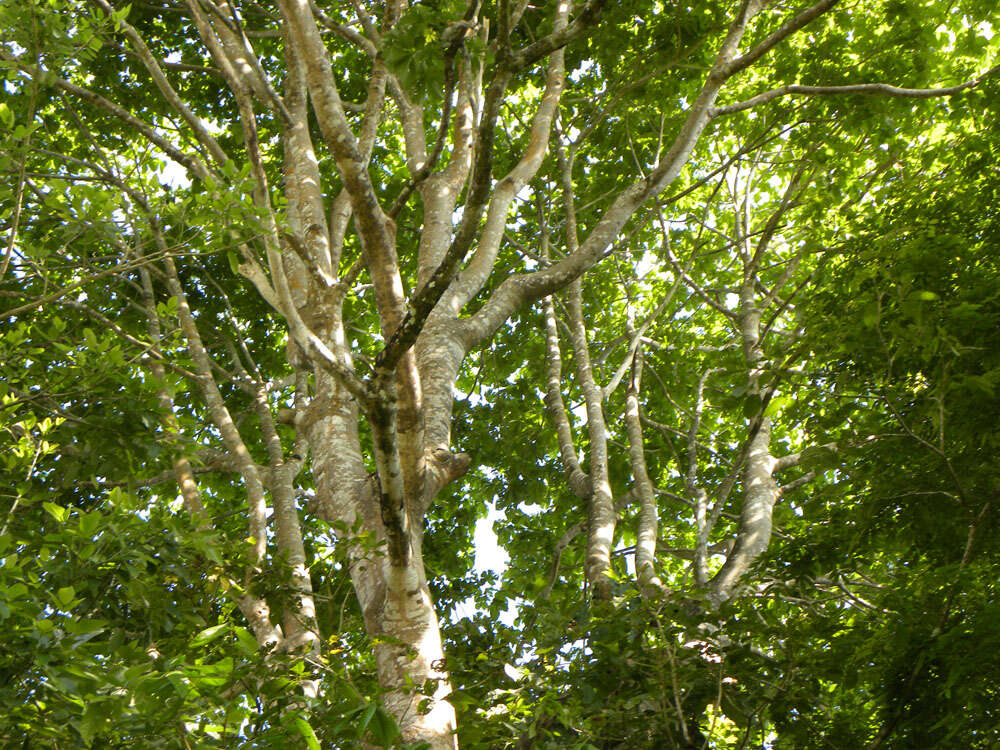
(174,175)
(585,67)
(629,555)
(646,263)
(472,397)
(490,556)
(514,376)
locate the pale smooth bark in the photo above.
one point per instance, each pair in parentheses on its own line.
(601,514)
(760,490)
(576,478)
(646,538)
(696,493)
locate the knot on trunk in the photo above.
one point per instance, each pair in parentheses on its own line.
(441,467)
(445,466)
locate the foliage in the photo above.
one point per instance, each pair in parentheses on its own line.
(870,619)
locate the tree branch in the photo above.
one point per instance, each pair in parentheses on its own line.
(192,163)
(775,38)
(520,289)
(867,89)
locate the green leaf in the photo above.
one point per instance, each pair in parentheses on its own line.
(208,635)
(120,15)
(248,644)
(384,727)
(44,626)
(366,718)
(751,405)
(90,521)
(775,405)
(307,732)
(56,511)
(461,699)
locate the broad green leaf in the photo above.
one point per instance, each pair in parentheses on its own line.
(208,635)
(307,732)
(59,513)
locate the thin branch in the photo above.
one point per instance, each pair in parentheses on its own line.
(192,163)
(867,89)
(775,38)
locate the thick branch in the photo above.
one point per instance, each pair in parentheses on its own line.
(796,483)
(395,520)
(754,533)
(376,232)
(560,37)
(521,289)
(577,480)
(430,293)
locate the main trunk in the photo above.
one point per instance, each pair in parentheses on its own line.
(395,602)
(410,655)
(394,599)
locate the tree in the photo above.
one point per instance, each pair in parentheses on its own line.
(252,253)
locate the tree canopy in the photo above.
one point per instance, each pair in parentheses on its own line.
(695,306)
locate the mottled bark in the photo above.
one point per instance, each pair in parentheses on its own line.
(760,492)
